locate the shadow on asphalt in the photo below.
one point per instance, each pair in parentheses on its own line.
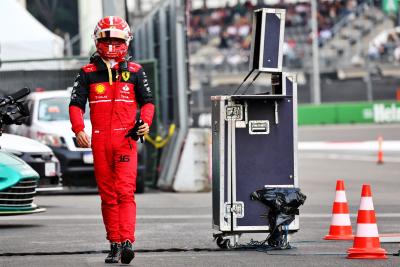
(50,206)
(77,190)
(71,191)
(18,226)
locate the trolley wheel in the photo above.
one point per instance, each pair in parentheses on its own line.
(220,242)
(224,243)
(227,244)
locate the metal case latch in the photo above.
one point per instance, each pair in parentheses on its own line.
(234,112)
(237,208)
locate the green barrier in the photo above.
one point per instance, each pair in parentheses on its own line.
(343,113)
(311,114)
(354,113)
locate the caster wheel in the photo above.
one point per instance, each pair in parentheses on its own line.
(220,242)
(227,244)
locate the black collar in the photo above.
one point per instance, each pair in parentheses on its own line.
(96,59)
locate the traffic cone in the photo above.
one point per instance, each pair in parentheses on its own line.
(340,228)
(366,242)
(380,151)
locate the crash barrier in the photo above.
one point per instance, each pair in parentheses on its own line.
(344,113)
(161,34)
(193,173)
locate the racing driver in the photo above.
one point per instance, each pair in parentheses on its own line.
(115,88)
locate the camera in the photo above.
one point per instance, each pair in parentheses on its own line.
(13,111)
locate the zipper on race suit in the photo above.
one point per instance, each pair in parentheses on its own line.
(117,113)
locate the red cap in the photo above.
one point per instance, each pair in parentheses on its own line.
(339,185)
(366,191)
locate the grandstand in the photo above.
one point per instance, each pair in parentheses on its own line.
(359,47)
(345,28)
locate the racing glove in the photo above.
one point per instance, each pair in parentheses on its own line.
(132,133)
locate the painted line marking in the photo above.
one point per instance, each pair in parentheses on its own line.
(323,215)
(372,146)
(335,156)
(350,127)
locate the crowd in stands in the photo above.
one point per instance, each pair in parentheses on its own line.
(233,24)
(229,27)
(386,47)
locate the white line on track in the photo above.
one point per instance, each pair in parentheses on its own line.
(335,156)
(159,217)
(351,127)
(323,215)
(361,146)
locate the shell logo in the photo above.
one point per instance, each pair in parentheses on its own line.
(100,89)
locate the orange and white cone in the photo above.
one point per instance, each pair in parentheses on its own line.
(366,242)
(340,228)
(380,150)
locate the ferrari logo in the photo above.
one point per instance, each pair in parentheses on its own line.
(126,75)
(100,89)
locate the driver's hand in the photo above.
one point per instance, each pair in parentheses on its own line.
(83,139)
(143,129)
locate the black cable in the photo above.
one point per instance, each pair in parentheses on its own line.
(247,87)
(245,79)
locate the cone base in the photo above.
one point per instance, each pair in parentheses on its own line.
(366,253)
(339,237)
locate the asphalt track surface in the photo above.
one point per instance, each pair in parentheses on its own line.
(175,229)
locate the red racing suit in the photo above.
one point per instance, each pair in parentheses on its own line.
(114,95)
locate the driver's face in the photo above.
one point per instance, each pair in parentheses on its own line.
(112,41)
